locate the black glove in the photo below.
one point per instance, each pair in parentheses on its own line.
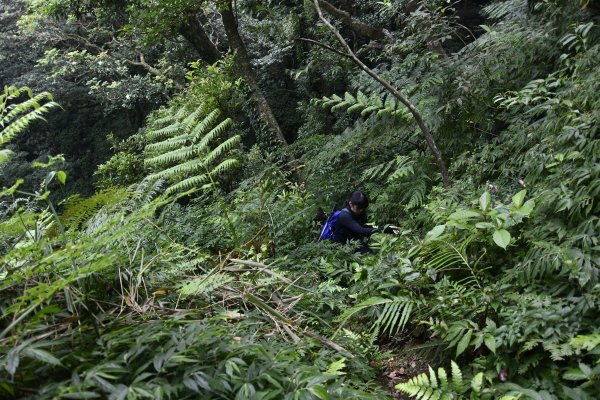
(390,229)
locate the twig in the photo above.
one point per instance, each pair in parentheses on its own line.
(325,46)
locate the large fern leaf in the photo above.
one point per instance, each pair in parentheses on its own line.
(429,386)
(16,118)
(181,152)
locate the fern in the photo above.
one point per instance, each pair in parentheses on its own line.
(503,9)
(17,117)
(394,316)
(443,256)
(187,184)
(416,196)
(204,284)
(429,386)
(181,153)
(391,171)
(77,211)
(366,105)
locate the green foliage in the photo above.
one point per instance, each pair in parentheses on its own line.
(16,115)
(366,105)
(438,386)
(225,294)
(179,149)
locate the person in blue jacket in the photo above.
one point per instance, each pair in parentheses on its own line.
(351,224)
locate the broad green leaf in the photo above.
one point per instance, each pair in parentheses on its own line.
(502,238)
(319,391)
(574,374)
(518,198)
(585,369)
(12,361)
(527,208)
(464,342)
(61,176)
(435,232)
(477,382)
(464,215)
(485,201)
(41,355)
(490,342)
(587,342)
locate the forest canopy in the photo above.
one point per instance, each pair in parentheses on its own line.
(166,168)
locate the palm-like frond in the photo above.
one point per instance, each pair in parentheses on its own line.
(394,316)
(191,166)
(429,386)
(170,157)
(166,132)
(169,144)
(194,182)
(16,118)
(200,129)
(444,256)
(181,153)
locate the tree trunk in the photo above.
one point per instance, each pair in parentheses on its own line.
(192,30)
(247,72)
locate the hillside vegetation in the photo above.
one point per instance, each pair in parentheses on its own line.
(188,266)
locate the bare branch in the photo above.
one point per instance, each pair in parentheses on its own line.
(396,93)
(324,46)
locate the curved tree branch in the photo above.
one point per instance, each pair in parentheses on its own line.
(396,93)
(357,26)
(323,45)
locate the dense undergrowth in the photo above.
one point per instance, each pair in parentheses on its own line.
(194,270)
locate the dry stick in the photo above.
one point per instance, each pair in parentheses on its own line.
(396,93)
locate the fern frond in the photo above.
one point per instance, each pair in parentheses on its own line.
(200,128)
(195,181)
(428,386)
(204,284)
(169,144)
(215,132)
(503,9)
(184,147)
(457,378)
(225,166)
(168,117)
(395,315)
(191,120)
(416,195)
(16,118)
(145,191)
(78,211)
(167,131)
(171,157)
(222,148)
(191,166)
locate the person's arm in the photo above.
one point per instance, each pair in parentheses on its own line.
(347,222)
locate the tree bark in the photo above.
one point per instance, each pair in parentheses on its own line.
(243,62)
(192,30)
(437,155)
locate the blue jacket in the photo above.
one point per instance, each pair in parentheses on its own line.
(350,226)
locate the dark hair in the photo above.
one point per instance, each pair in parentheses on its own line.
(359,199)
